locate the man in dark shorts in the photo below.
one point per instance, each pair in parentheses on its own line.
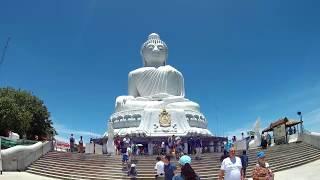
(125,156)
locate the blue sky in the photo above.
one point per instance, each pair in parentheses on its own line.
(240,59)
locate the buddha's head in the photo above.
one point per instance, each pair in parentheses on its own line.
(154,52)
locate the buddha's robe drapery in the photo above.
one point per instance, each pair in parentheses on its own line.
(153,82)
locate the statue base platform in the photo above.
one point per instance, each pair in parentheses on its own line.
(155,122)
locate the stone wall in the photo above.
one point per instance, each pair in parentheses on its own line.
(19,157)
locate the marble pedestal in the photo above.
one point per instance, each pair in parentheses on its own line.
(146,122)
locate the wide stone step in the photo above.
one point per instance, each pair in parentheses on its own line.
(147,165)
(195,164)
(63,165)
(73,175)
(110,169)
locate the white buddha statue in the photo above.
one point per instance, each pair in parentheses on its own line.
(156,85)
(155,105)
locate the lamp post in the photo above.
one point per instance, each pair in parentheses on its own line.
(301,126)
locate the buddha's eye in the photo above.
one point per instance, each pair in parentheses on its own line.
(160,47)
(150,46)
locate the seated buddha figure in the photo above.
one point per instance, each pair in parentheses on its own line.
(156,84)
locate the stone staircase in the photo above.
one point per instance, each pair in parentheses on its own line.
(63,165)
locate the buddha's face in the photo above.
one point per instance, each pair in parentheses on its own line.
(155,54)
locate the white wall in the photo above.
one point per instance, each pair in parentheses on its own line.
(91,148)
(311,139)
(21,156)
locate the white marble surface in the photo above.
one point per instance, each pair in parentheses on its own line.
(152,88)
(21,156)
(110,143)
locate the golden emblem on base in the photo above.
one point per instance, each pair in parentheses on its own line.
(164,119)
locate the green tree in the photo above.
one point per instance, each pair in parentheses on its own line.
(24,113)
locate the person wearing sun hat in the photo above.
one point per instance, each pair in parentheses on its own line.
(132,171)
(262,169)
(184,160)
(187,173)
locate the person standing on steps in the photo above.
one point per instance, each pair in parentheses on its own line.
(159,167)
(244,161)
(80,145)
(127,140)
(198,146)
(117,143)
(178,147)
(163,148)
(71,143)
(132,173)
(169,168)
(262,170)
(231,167)
(268,139)
(124,153)
(171,143)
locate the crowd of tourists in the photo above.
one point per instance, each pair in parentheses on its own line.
(164,168)
(176,146)
(232,166)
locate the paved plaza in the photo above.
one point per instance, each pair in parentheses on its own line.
(22,175)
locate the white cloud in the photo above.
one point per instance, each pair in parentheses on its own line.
(237,133)
(305,96)
(249,126)
(63,130)
(64,133)
(60,138)
(311,120)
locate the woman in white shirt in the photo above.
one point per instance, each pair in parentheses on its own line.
(231,167)
(159,167)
